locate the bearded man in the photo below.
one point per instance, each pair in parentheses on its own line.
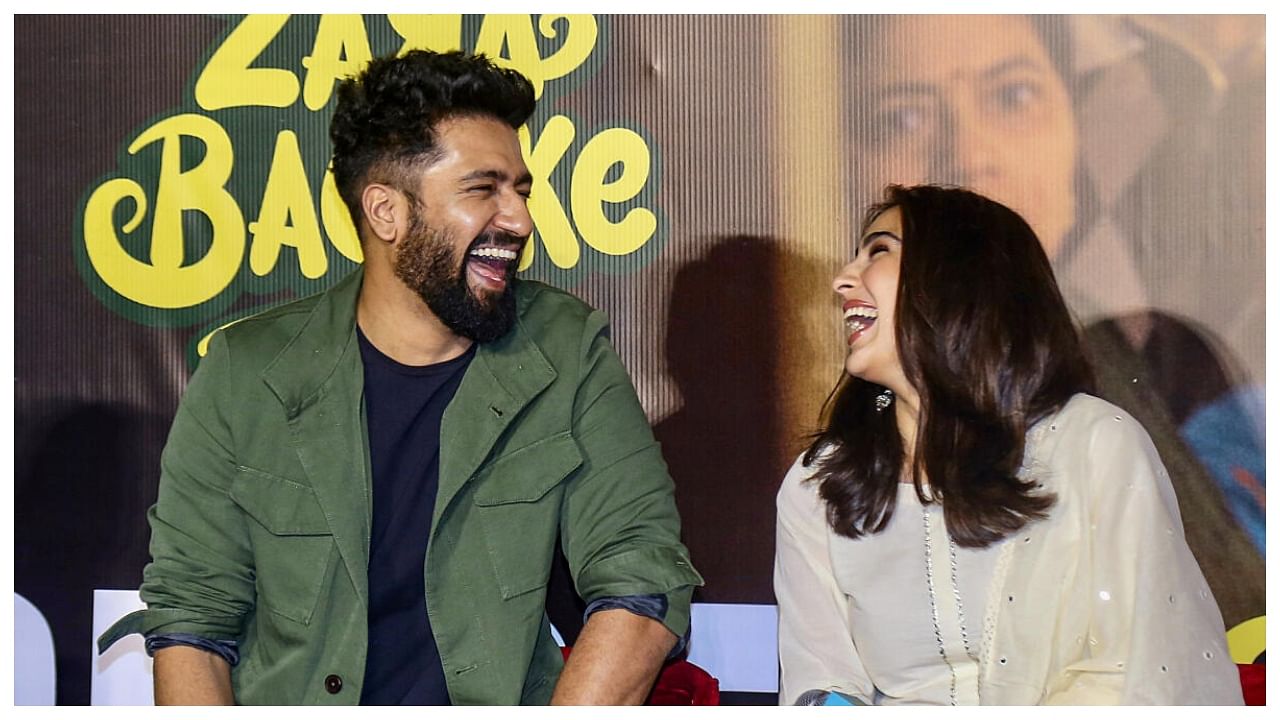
(362,491)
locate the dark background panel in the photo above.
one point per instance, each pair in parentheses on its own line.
(94,394)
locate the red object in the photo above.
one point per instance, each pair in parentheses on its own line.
(1253,681)
(680,683)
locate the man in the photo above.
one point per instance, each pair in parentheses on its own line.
(362,491)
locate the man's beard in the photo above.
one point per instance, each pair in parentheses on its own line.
(426,263)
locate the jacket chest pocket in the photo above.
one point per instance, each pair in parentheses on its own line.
(293,546)
(518,500)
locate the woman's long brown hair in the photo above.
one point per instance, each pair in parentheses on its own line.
(985,338)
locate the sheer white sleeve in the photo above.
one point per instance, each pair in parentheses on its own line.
(815,646)
(1155,634)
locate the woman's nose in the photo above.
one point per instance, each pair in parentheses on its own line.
(846,280)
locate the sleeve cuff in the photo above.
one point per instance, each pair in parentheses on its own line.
(652,606)
(226,649)
(169,621)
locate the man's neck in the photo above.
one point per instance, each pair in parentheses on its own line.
(402,327)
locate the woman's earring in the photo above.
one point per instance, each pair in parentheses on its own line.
(884,400)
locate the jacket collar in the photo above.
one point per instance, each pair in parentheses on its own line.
(514,368)
(325,342)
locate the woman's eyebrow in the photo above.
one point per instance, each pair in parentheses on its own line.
(872,236)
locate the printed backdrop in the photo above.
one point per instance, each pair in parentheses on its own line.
(698,178)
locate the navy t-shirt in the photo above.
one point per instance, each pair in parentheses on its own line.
(404,406)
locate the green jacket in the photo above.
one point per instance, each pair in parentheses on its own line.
(260,533)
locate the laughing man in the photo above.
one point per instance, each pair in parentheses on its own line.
(362,490)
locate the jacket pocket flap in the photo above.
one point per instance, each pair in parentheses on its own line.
(282,506)
(528,473)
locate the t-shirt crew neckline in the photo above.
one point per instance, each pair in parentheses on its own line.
(371,353)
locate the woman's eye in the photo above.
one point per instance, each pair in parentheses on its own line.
(1016,96)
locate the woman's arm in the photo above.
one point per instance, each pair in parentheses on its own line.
(1156,635)
(815,647)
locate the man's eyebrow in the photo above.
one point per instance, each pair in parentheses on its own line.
(525,178)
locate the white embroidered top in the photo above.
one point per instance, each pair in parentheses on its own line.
(1101,603)
(903,576)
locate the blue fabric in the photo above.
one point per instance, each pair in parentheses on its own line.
(1228,436)
(653,607)
(226,649)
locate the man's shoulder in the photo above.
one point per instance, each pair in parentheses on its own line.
(543,308)
(265,334)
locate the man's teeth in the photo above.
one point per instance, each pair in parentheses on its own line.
(497,253)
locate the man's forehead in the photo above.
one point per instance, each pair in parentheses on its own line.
(478,147)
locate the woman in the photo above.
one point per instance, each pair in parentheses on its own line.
(971,526)
(1032,116)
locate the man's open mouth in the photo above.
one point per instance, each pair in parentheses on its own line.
(493,264)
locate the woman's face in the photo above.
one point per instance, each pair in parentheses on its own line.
(973,100)
(868,289)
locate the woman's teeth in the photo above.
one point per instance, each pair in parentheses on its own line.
(860,317)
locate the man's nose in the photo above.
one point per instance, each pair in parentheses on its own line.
(513,217)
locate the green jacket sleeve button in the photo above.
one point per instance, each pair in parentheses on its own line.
(333,684)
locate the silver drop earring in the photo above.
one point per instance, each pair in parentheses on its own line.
(884,400)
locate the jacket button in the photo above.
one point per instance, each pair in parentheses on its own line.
(333,684)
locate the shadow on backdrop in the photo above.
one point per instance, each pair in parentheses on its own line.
(726,447)
(91,531)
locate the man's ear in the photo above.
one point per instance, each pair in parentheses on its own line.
(384,209)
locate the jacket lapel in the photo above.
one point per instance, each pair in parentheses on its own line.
(502,379)
(319,379)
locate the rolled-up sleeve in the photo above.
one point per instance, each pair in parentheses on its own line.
(200,579)
(619,525)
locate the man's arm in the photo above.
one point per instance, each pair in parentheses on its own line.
(185,675)
(620,531)
(615,661)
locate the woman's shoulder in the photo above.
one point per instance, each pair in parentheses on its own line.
(798,487)
(801,472)
(1091,435)
(1087,418)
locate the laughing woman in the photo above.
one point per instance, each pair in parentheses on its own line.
(971,526)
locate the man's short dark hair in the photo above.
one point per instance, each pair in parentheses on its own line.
(386,116)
